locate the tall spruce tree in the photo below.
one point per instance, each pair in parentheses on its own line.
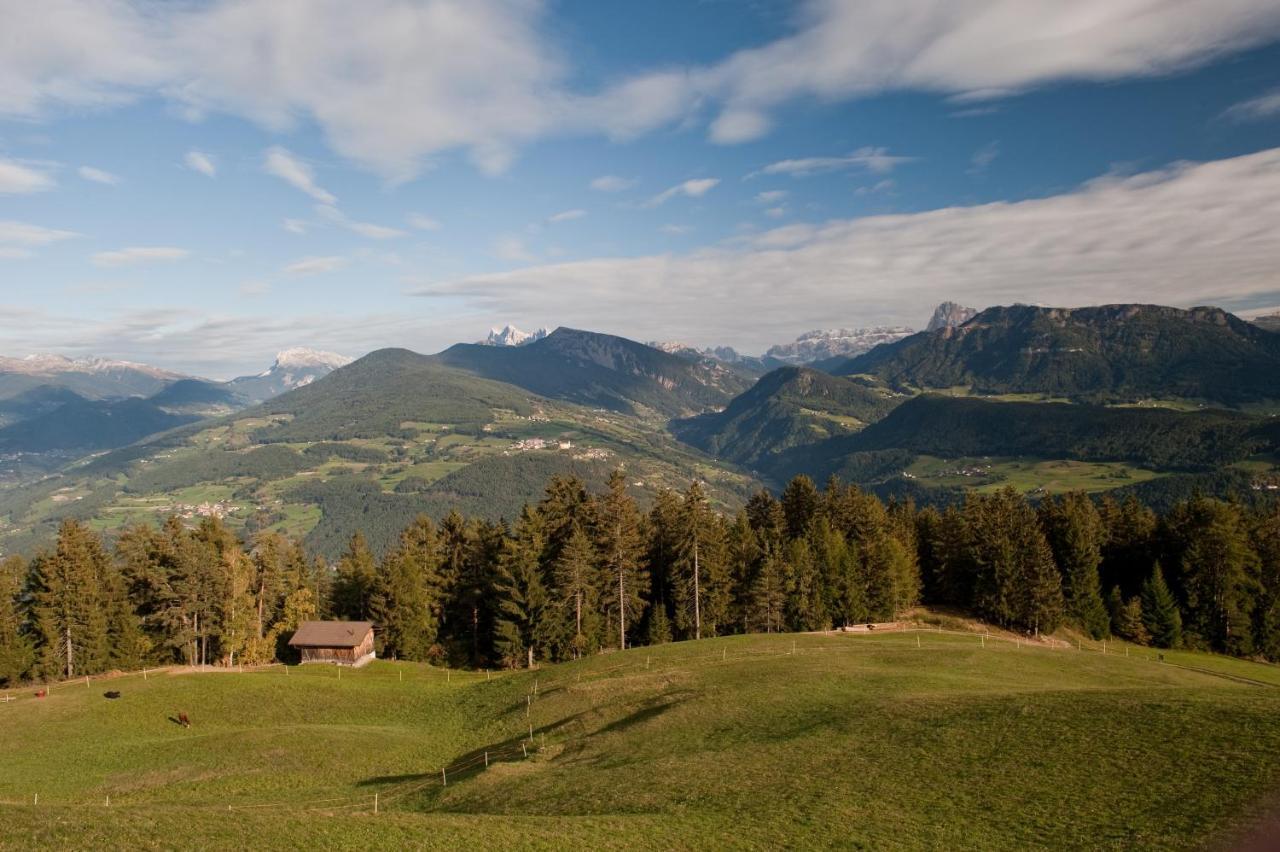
(1160,615)
(1074,530)
(1218,573)
(576,589)
(407,597)
(701,577)
(522,624)
(68,604)
(356,580)
(620,545)
(16,650)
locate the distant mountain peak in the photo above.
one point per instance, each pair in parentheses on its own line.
(294,368)
(950,315)
(46,364)
(509,335)
(301,358)
(821,344)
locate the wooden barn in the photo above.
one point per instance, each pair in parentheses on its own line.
(343,643)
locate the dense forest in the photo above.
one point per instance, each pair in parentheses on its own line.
(581,572)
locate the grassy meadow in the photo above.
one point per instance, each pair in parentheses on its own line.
(890,741)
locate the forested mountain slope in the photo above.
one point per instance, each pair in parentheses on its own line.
(604,371)
(1108,353)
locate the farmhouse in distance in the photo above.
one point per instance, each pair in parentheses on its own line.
(343,643)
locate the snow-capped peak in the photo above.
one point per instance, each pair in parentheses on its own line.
(44,364)
(509,335)
(301,358)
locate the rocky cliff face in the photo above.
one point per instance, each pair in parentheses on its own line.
(821,344)
(950,315)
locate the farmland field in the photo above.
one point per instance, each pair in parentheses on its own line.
(899,740)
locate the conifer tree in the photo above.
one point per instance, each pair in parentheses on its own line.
(620,546)
(68,604)
(1129,624)
(1074,531)
(799,505)
(1160,615)
(1218,574)
(1265,536)
(768,596)
(744,555)
(701,576)
(577,595)
(407,596)
(356,579)
(806,607)
(16,651)
(522,623)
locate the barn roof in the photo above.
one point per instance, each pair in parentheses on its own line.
(330,634)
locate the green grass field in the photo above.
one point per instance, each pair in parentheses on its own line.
(849,742)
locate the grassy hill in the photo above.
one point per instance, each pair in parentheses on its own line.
(605,371)
(1107,353)
(761,742)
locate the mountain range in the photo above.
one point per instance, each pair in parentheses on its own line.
(1116,398)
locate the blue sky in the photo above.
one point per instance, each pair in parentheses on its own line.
(199,184)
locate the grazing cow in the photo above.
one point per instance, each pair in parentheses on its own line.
(41,693)
(183,720)
(112,694)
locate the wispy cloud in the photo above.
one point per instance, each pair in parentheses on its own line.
(694,188)
(875,160)
(422,223)
(11,253)
(294,226)
(1262,107)
(1212,242)
(513,249)
(137,255)
(612,183)
(983,158)
(364,229)
(19,179)
(566,216)
(281,163)
(25,234)
(198,161)
(315,265)
(89,173)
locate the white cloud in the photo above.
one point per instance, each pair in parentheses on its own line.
(393,82)
(138,255)
(738,125)
(18,179)
(1256,109)
(984,157)
(1188,234)
(422,223)
(567,216)
(694,188)
(89,173)
(31,235)
(612,183)
(776,212)
(771,196)
(513,249)
(10,253)
(315,265)
(201,162)
(294,226)
(875,160)
(364,229)
(674,230)
(281,163)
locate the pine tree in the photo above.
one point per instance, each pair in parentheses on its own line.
(1015,580)
(621,548)
(68,606)
(357,576)
(1160,614)
(1265,538)
(407,596)
(768,596)
(700,575)
(1129,625)
(577,593)
(16,651)
(799,505)
(1074,531)
(1218,574)
(521,625)
(806,607)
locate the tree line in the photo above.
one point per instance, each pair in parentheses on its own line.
(577,573)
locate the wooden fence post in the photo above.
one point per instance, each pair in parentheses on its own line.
(375,803)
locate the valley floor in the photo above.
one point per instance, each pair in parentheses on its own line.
(901,740)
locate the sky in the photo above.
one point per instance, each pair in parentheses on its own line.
(197,184)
